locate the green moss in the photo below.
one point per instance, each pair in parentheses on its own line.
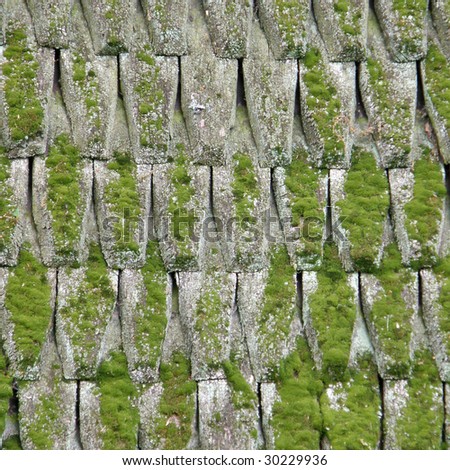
(153,132)
(63,199)
(25,113)
(333,313)
(349,23)
(152,321)
(118,413)
(243,396)
(122,195)
(296,418)
(442,270)
(289,16)
(394,114)
(177,406)
(410,22)
(302,182)
(28,299)
(5,390)
(12,443)
(87,311)
(390,315)
(351,417)
(278,309)
(438,82)
(364,209)
(424,211)
(210,323)
(245,190)
(47,423)
(88,86)
(8,209)
(324,107)
(420,424)
(182,219)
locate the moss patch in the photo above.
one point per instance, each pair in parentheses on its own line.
(351,408)
(391,316)
(324,107)
(296,418)
(177,406)
(5,390)
(424,211)
(47,423)
(289,16)
(122,196)
(8,209)
(151,322)
(153,134)
(279,309)
(64,200)
(420,425)
(302,182)
(12,443)
(364,209)
(394,114)
(211,320)
(442,270)
(438,82)
(349,16)
(333,313)
(118,412)
(88,310)
(245,190)
(28,299)
(243,397)
(25,113)
(182,219)
(410,21)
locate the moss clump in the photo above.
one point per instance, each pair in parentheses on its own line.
(177,406)
(364,209)
(211,320)
(438,82)
(302,182)
(289,16)
(296,418)
(420,424)
(351,408)
(394,114)
(442,270)
(87,81)
(28,300)
(279,308)
(63,200)
(8,209)
(153,134)
(243,396)
(424,211)
(47,423)
(122,195)
(25,113)
(349,16)
(410,21)
(182,219)
(333,313)
(118,412)
(12,443)
(325,107)
(245,190)
(5,390)
(391,316)
(87,311)
(151,322)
